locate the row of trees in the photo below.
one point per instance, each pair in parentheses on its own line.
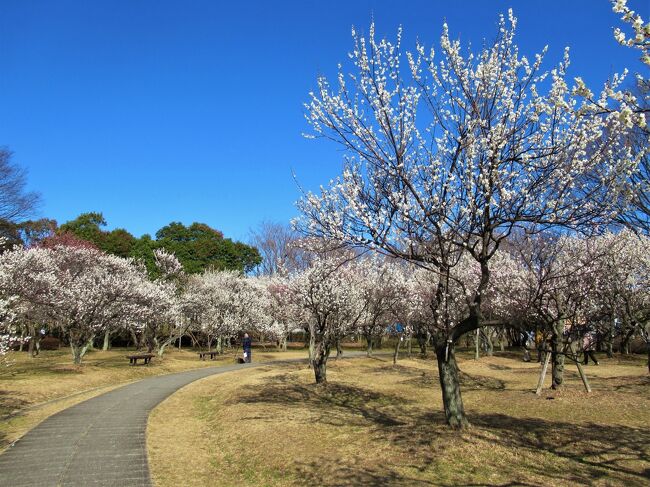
(564,286)
(82,292)
(485,183)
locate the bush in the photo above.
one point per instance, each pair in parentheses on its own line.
(50,343)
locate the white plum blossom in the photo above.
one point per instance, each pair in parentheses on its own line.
(640,38)
(167,263)
(222,304)
(285,310)
(81,291)
(330,292)
(449,152)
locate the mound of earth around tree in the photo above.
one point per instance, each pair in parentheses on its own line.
(379,424)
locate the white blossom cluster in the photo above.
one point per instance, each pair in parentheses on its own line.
(223,304)
(640,38)
(585,283)
(449,152)
(80,291)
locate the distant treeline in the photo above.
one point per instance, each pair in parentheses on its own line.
(197,246)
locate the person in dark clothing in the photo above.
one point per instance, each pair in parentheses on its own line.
(588,347)
(246,343)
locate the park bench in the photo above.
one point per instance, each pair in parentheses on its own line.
(146,357)
(211,354)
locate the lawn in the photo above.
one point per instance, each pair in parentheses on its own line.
(379,424)
(34,389)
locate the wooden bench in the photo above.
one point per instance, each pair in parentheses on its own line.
(211,354)
(146,357)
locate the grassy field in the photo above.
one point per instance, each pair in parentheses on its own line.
(379,424)
(33,389)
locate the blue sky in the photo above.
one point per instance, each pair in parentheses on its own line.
(154,111)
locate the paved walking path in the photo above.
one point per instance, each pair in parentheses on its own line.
(99,442)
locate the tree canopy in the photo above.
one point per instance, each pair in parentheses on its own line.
(198,246)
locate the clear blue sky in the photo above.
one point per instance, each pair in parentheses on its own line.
(153,111)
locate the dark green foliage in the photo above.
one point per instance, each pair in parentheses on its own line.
(118,242)
(87,226)
(142,250)
(25,233)
(197,247)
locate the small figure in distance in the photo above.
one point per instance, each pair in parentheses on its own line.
(588,345)
(246,344)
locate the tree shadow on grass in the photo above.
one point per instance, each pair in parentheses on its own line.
(339,473)
(10,407)
(427,378)
(614,453)
(10,404)
(333,404)
(498,367)
(475,381)
(635,384)
(527,451)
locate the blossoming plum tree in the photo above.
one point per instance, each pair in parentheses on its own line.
(330,292)
(284,310)
(82,291)
(447,157)
(224,303)
(622,291)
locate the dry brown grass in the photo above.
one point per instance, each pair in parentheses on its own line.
(34,389)
(375,424)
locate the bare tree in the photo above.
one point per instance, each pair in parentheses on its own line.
(276,243)
(15,202)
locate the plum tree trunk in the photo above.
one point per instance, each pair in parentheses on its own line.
(312,349)
(488,342)
(79,350)
(107,340)
(320,363)
(625,341)
(22,339)
(31,346)
(422,342)
(134,337)
(610,350)
(450,385)
(369,345)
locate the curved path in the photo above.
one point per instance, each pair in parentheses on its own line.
(99,442)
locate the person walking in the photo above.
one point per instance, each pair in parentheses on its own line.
(588,347)
(247,343)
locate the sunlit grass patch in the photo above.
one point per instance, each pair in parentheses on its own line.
(379,424)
